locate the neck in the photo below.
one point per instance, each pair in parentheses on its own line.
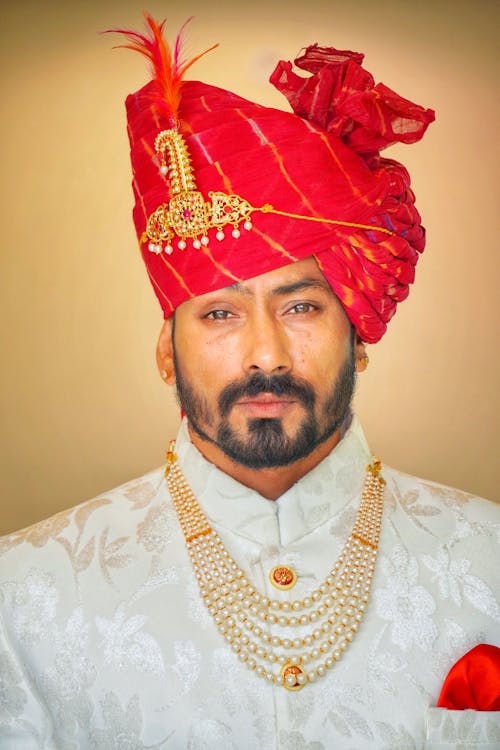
(270,483)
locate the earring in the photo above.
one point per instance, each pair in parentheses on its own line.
(165,374)
(363,362)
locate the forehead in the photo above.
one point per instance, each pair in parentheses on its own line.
(287,279)
(302,270)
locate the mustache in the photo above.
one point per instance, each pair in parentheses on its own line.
(278,385)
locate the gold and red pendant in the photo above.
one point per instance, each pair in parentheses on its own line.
(283,577)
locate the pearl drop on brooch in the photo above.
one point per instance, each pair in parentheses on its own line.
(196,244)
(163,169)
(220,235)
(181,245)
(247,225)
(236,233)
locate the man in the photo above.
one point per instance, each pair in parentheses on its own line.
(277,588)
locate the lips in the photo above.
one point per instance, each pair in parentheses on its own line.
(265,398)
(261,392)
(265,405)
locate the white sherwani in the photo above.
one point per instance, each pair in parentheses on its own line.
(106,643)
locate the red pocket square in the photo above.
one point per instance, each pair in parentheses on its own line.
(474,681)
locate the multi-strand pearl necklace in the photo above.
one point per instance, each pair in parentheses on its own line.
(325,621)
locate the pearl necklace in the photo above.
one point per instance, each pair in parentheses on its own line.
(253,624)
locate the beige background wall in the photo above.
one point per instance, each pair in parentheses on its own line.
(83,407)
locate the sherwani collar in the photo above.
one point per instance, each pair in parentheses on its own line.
(318,496)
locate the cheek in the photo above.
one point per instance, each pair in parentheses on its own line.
(212,363)
(224,354)
(321,355)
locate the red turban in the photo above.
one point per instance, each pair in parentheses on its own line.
(319,168)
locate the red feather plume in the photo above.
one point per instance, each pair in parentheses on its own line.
(167,70)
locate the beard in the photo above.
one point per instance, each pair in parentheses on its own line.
(266,444)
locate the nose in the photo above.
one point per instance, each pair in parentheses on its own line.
(267,346)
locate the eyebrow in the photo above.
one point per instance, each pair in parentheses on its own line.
(298,286)
(295,286)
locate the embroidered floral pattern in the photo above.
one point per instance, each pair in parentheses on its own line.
(456,582)
(80,552)
(296,741)
(12,696)
(210,733)
(112,555)
(66,681)
(350,723)
(462,730)
(39,534)
(123,726)
(413,505)
(450,496)
(140,494)
(395,737)
(382,669)
(187,664)
(126,646)
(156,530)
(408,606)
(34,606)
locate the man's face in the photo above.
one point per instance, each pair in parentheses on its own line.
(265,370)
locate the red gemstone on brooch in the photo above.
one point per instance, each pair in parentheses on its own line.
(186,213)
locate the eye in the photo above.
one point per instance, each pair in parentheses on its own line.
(218,315)
(301,308)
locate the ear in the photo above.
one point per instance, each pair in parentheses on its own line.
(165,353)
(360,354)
